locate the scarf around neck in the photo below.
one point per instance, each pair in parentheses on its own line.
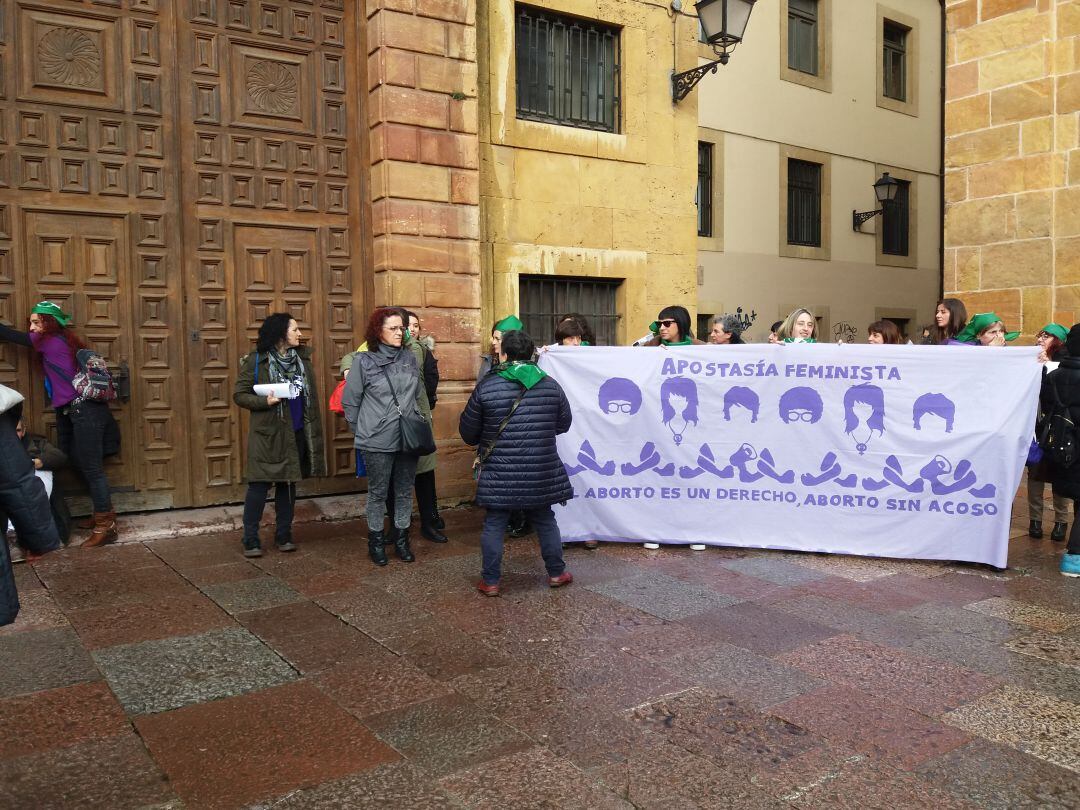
(528,374)
(288,367)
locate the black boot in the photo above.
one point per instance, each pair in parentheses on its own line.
(429,531)
(427,501)
(1058,533)
(252,546)
(1035,530)
(401,545)
(519,525)
(375,548)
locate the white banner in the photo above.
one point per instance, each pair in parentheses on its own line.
(891,451)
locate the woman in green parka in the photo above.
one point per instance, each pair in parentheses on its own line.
(285,442)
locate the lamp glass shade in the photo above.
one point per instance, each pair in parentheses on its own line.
(711,15)
(885,188)
(738,15)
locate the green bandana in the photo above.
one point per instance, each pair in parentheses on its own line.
(979,322)
(49,308)
(509,324)
(528,374)
(1057,330)
(804,340)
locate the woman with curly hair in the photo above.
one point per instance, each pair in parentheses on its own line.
(285,442)
(384,379)
(86,430)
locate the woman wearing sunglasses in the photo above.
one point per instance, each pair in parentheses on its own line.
(672,328)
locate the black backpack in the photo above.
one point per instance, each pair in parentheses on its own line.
(1056,433)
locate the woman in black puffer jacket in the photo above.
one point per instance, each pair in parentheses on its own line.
(1063,383)
(521,468)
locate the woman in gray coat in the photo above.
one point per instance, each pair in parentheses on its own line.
(383,381)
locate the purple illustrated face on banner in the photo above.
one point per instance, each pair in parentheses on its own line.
(678,405)
(619,399)
(864,414)
(800,405)
(935,405)
(742,396)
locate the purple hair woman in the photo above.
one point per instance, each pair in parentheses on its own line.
(864,411)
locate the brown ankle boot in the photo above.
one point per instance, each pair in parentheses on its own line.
(104,530)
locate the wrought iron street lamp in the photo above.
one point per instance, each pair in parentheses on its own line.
(723,23)
(885,191)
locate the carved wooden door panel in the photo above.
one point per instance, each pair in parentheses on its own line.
(267,110)
(88,213)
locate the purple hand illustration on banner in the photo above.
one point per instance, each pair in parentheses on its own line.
(767,467)
(649,459)
(588,461)
(830,471)
(962,477)
(893,473)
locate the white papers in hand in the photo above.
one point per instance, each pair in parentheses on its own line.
(280,390)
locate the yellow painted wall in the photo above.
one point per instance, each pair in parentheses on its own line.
(572,202)
(756,113)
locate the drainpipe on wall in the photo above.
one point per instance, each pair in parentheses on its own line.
(941,164)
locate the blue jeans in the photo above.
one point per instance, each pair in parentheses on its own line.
(85,432)
(491,541)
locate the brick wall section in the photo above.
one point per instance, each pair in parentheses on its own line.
(1012,158)
(425,190)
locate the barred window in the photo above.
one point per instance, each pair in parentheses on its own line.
(803,36)
(894,64)
(704,188)
(543,299)
(895,222)
(568,70)
(804,203)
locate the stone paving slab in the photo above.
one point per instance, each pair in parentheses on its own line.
(156,676)
(175,673)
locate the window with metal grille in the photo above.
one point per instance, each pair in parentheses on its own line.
(567,70)
(894,65)
(895,221)
(704,326)
(802,36)
(704,188)
(544,299)
(804,203)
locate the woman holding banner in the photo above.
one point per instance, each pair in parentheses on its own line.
(1063,385)
(950,318)
(798,327)
(1050,341)
(672,328)
(984,329)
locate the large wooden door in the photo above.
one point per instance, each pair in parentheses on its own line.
(88,214)
(266,112)
(171,171)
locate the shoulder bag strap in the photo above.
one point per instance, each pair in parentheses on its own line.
(392,394)
(485,453)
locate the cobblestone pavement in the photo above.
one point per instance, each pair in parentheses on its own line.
(177,674)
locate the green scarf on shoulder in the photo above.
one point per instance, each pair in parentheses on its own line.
(528,374)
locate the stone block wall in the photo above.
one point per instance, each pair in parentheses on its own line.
(1012,159)
(425,192)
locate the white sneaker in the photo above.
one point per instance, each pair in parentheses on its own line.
(651,546)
